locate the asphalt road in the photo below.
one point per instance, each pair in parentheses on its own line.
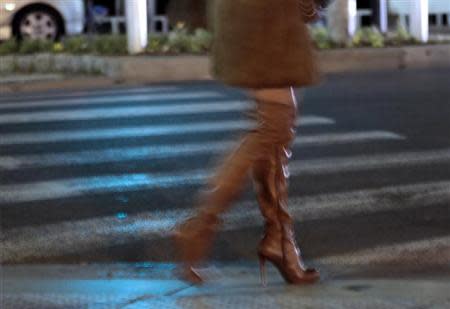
(103,175)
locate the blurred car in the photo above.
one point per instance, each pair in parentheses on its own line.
(41,19)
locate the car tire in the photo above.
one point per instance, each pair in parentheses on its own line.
(38,23)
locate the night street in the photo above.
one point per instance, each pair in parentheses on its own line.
(102,176)
(150,157)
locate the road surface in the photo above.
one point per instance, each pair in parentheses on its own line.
(103,175)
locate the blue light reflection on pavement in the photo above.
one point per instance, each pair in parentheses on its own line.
(97,287)
(65,188)
(121,215)
(140,131)
(140,181)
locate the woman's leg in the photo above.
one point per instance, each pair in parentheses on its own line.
(266,182)
(278,243)
(275,115)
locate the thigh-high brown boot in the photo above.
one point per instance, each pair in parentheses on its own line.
(292,268)
(194,237)
(265,184)
(278,243)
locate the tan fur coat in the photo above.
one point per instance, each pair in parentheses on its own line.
(262,43)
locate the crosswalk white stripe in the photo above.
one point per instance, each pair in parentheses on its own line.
(347,137)
(370,162)
(415,251)
(168,151)
(88,93)
(141,131)
(84,235)
(125,112)
(126,99)
(71,187)
(64,188)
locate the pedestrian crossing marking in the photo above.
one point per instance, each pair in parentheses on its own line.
(142,131)
(72,236)
(125,112)
(126,100)
(120,154)
(83,235)
(72,187)
(369,162)
(405,252)
(87,93)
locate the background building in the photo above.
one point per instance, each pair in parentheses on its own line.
(193,13)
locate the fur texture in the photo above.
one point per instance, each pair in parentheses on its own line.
(262,44)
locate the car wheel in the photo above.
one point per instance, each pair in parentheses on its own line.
(38,24)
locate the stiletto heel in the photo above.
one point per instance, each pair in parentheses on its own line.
(262,270)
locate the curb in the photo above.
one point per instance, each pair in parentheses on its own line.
(228,286)
(25,78)
(392,58)
(191,67)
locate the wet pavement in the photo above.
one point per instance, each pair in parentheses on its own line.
(102,176)
(229,285)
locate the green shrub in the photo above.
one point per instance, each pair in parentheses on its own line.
(35,46)
(77,45)
(58,47)
(157,44)
(321,37)
(179,40)
(401,36)
(201,41)
(401,33)
(368,36)
(9,47)
(110,45)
